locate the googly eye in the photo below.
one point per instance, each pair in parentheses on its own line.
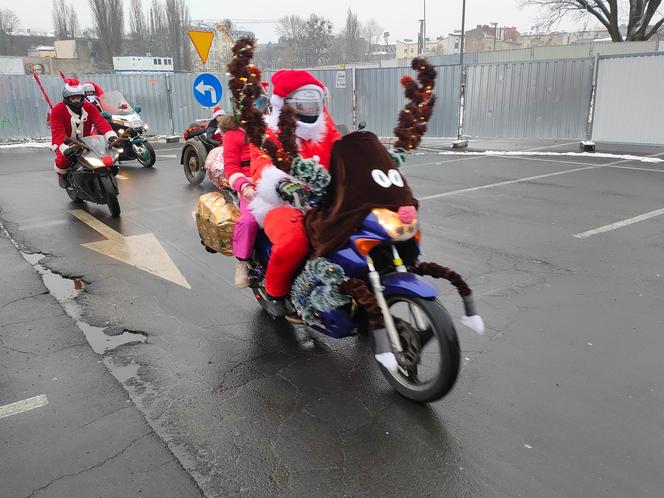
(395,178)
(381,178)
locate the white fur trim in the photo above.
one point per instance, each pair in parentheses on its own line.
(235,177)
(60,171)
(266,193)
(474,322)
(110,134)
(276,101)
(63,148)
(312,131)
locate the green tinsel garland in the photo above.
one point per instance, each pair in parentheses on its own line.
(398,155)
(310,172)
(317,289)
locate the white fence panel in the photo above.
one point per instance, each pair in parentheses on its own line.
(629,106)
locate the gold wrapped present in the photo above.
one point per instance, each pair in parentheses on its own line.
(215,219)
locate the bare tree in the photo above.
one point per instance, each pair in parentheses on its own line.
(157,26)
(641,23)
(138,26)
(352,35)
(108,18)
(8,21)
(373,32)
(65,20)
(292,31)
(178,19)
(8,24)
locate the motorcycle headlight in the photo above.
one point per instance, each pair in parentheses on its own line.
(95,162)
(397,227)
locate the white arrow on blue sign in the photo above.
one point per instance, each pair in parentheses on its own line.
(207,90)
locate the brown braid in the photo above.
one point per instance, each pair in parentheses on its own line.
(283,158)
(246,88)
(437,271)
(360,292)
(412,124)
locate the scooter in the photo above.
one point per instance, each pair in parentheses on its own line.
(92,176)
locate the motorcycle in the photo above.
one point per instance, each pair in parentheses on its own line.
(123,117)
(92,176)
(195,151)
(420,329)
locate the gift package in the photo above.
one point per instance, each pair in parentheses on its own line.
(215,219)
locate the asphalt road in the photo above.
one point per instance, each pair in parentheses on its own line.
(562,397)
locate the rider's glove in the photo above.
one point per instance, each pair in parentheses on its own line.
(112,140)
(288,189)
(71,150)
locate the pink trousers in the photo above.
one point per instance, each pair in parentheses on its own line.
(244,234)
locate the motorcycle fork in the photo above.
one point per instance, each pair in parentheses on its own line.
(392,333)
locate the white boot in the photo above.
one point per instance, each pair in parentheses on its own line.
(241,275)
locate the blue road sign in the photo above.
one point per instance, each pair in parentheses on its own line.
(207,90)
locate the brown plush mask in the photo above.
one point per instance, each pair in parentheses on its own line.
(364,177)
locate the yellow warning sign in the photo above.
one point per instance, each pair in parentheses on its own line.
(202,41)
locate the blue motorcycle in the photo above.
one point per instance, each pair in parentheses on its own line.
(383,254)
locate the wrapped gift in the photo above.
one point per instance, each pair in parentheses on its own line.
(214,164)
(215,219)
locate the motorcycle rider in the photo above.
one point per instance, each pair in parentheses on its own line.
(74,118)
(213,131)
(92,93)
(283,224)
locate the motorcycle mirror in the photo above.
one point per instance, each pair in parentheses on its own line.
(138,109)
(362,125)
(107,115)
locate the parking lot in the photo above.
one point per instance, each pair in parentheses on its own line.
(562,396)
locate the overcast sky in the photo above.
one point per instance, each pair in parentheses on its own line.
(398,17)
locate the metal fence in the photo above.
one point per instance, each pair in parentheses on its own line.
(533,99)
(528,99)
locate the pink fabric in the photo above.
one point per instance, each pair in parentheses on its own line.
(245,232)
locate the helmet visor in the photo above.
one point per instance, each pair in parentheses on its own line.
(307,103)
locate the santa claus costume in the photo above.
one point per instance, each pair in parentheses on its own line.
(316,134)
(74,120)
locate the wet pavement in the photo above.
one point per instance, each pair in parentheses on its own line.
(563,396)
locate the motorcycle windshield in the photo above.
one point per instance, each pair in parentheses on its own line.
(97,144)
(115,103)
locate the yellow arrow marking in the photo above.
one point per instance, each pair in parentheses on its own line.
(140,251)
(202,41)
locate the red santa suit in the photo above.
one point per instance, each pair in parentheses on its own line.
(66,123)
(283,224)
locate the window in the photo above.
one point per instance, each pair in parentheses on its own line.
(154,61)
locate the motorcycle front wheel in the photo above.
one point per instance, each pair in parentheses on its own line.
(431,354)
(145,154)
(74,196)
(113,204)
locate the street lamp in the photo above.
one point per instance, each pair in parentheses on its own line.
(495,34)
(460,143)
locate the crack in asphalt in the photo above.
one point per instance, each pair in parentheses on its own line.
(23,298)
(87,469)
(97,419)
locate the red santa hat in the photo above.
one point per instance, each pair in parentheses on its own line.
(218,111)
(286,81)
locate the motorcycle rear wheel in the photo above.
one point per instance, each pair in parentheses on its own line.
(439,331)
(113,204)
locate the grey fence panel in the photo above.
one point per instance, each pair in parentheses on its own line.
(380,99)
(23,109)
(547,99)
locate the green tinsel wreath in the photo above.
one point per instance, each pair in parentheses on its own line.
(317,289)
(310,172)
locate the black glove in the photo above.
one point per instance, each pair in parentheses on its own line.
(72,150)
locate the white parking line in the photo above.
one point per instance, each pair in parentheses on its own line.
(167,156)
(121,177)
(23,406)
(638,169)
(619,224)
(508,182)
